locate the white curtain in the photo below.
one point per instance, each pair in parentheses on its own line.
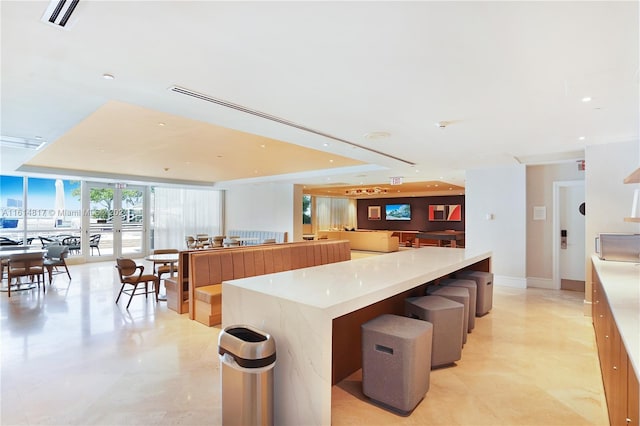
(334,213)
(179,212)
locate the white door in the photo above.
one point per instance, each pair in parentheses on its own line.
(115,226)
(572,255)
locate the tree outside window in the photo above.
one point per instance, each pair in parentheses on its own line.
(306,209)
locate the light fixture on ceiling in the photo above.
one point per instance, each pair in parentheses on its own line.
(21,143)
(586,99)
(107,76)
(376,190)
(581,138)
(372,136)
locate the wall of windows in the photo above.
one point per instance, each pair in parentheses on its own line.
(180,212)
(109,219)
(37,207)
(334,213)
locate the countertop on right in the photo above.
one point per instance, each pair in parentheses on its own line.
(621,283)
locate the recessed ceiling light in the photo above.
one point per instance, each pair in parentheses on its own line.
(331,161)
(108,76)
(586,99)
(325,144)
(263,146)
(581,138)
(161,124)
(377,135)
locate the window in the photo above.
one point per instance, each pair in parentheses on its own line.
(306,209)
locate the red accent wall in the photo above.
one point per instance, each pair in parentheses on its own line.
(419,214)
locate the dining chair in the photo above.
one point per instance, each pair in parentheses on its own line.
(217,241)
(54,258)
(191,242)
(203,240)
(132,274)
(73,243)
(25,265)
(94,243)
(163,268)
(46,241)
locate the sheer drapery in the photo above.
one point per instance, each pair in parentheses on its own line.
(335,213)
(179,212)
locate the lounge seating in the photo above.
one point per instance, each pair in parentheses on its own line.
(208,269)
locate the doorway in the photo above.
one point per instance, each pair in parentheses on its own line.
(569,258)
(115,225)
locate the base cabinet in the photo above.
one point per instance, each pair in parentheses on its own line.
(618,377)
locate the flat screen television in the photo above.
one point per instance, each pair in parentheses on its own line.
(398,211)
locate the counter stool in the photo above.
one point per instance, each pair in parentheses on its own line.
(484,281)
(447,318)
(396,359)
(471,286)
(457,294)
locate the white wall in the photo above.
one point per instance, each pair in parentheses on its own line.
(265,207)
(608,199)
(501,192)
(540,182)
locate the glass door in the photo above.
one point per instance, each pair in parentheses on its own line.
(115,225)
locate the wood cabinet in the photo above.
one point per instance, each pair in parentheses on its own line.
(619,379)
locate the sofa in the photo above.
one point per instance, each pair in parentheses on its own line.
(380,241)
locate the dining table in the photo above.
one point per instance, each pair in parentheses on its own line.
(245,240)
(5,253)
(170,259)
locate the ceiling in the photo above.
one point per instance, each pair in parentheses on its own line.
(330,95)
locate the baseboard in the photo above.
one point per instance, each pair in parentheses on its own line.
(534,282)
(504,281)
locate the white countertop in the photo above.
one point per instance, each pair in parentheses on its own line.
(297,308)
(621,283)
(344,287)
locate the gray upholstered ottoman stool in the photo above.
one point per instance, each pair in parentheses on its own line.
(447,318)
(484,281)
(457,294)
(473,292)
(396,360)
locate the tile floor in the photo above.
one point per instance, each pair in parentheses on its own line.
(73,357)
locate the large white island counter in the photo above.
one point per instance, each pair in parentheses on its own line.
(306,310)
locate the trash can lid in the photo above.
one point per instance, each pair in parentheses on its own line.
(246,343)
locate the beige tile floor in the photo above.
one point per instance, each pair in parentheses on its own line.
(73,357)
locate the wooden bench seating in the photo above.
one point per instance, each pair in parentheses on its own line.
(209,268)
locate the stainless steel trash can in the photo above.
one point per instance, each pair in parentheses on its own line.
(247,357)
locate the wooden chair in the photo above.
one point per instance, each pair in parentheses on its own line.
(129,275)
(191,242)
(203,240)
(25,265)
(54,258)
(217,241)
